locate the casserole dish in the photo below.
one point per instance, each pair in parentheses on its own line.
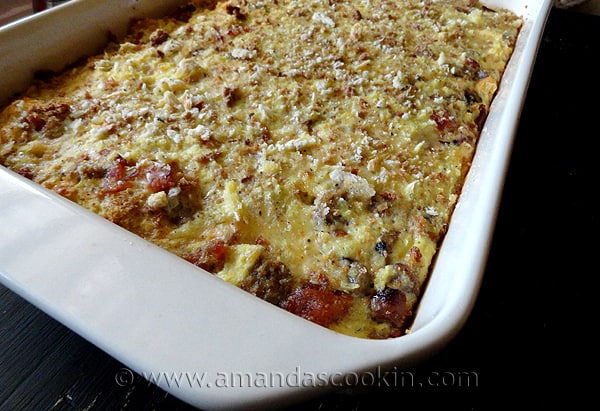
(158,314)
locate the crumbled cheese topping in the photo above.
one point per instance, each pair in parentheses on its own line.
(311,144)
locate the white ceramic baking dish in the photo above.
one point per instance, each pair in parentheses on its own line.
(165,318)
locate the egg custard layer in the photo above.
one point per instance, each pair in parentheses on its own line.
(308,152)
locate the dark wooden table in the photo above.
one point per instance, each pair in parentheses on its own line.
(529,339)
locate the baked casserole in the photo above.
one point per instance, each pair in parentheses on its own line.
(308,152)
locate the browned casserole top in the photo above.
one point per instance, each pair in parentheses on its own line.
(309,152)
